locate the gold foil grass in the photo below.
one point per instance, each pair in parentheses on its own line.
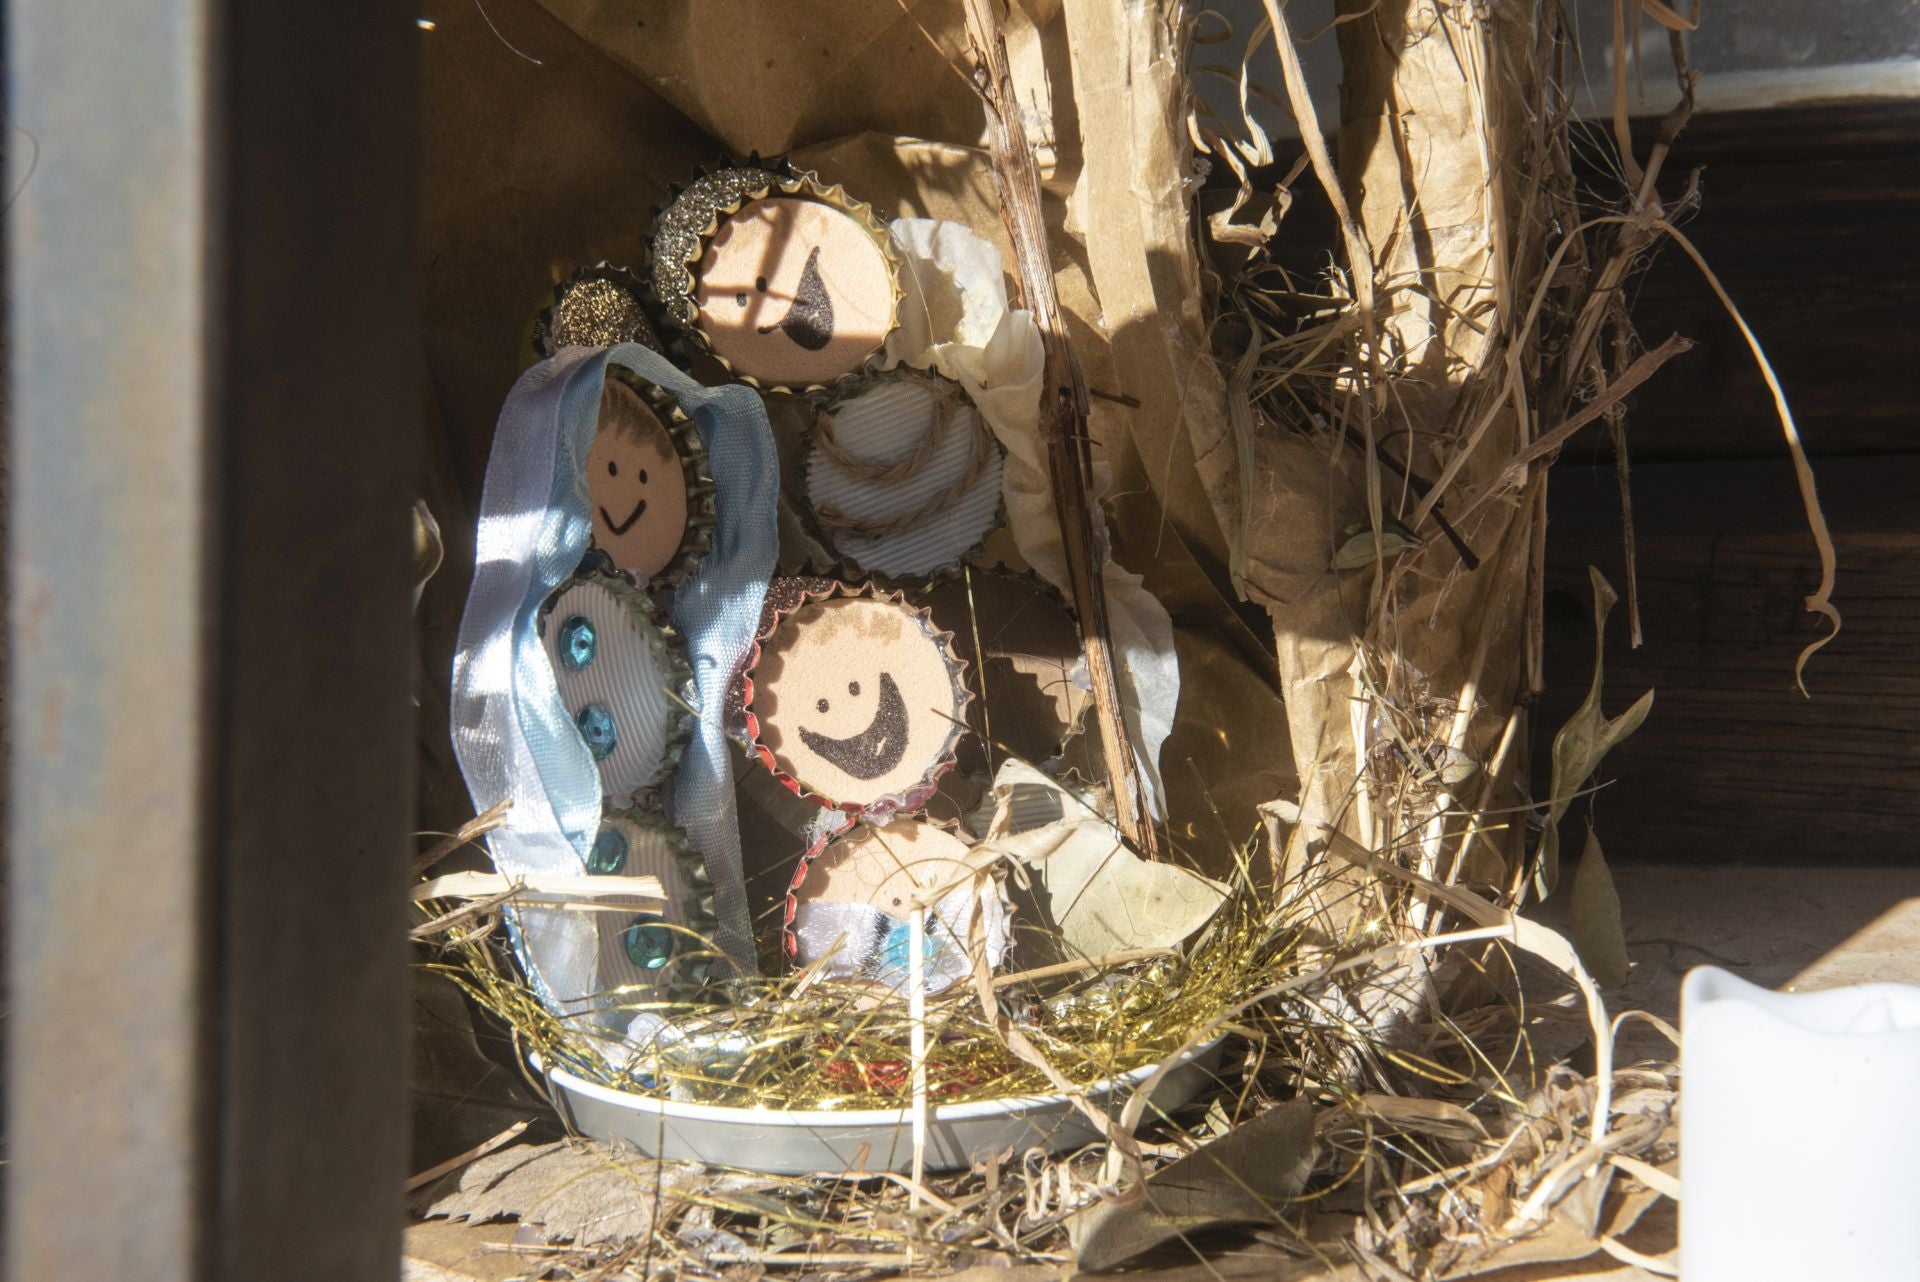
(787,1043)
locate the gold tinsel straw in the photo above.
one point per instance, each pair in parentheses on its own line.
(789,1043)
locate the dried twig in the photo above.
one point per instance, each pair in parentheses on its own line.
(473,1154)
(472,830)
(1549,442)
(540,888)
(471,911)
(488,891)
(1063,413)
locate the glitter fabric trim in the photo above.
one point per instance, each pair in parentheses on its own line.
(597,306)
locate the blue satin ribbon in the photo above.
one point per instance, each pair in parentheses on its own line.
(513,735)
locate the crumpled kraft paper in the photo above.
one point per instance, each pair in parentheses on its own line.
(1131,206)
(768,77)
(956,286)
(1312,491)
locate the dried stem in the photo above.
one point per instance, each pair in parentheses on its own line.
(1063,415)
(493,817)
(1549,442)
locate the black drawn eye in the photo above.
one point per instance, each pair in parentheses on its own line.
(613,468)
(853,687)
(643,476)
(760,283)
(740,300)
(822,705)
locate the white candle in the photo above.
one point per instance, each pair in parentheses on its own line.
(1799,1132)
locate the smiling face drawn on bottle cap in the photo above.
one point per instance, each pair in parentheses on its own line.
(794,292)
(851,904)
(885,867)
(856,699)
(636,485)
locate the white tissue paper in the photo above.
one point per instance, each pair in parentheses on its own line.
(955,287)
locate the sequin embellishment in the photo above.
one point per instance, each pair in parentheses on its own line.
(609,854)
(596,726)
(577,643)
(649,941)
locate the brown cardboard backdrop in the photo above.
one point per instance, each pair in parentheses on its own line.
(554,129)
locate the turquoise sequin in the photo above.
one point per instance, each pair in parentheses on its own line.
(609,854)
(649,941)
(896,955)
(577,643)
(596,726)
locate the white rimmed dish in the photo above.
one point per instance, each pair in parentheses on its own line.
(780,1142)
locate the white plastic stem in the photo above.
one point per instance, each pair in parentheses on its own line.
(917,1014)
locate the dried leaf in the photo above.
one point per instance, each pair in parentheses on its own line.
(1357,552)
(1455,767)
(1579,1207)
(429,548)
(1585,740)
(1556,1242)
(1245,1177)
(576,1192)
(1598,931)
(706,1242)
(1101,896)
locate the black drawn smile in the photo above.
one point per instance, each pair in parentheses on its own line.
(809,322)
(877,749)
(621,527)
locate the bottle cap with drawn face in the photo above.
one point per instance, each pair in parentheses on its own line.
(788,283)
(857,700)
(853,897)
(647,490)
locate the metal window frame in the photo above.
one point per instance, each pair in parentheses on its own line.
(213,374)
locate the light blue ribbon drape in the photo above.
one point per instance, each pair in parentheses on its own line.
(512,734)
